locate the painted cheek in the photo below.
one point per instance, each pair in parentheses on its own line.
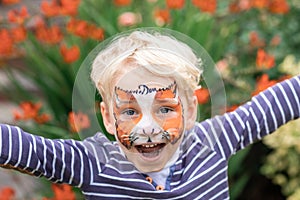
(173,125)
(124,125)
(124,128)
(122,135)
(175,128)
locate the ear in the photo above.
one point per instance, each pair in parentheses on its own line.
(107,118)
(191,113)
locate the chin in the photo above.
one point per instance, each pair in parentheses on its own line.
(147,167)
(152,157)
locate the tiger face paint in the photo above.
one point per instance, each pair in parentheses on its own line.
(147,117)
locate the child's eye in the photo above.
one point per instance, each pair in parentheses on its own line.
(165,110)
(129,112)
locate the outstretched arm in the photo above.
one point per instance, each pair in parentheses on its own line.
(253,120)
(64,161)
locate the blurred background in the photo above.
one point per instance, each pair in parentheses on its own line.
(254,43)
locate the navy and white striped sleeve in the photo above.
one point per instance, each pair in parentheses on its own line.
(62,161)
(250,122)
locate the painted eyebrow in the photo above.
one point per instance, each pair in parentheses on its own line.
(174,101)
(127,101)
(121,102)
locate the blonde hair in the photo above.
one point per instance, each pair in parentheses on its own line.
(160,54)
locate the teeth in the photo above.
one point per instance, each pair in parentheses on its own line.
(149,145)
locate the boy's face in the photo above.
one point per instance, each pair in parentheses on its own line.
(148,118)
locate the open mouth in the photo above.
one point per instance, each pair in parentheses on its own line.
(150,150)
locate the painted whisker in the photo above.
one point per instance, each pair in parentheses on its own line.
(166,135)
(132,138)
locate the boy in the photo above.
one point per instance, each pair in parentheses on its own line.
(147,81)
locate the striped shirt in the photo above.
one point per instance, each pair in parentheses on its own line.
(101,171)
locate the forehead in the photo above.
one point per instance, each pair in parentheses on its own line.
(139,77)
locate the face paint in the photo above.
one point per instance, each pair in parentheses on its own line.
(148,115)
(170,116)
(125,107)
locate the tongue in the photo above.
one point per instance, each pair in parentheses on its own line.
(150,152)
(143,149)
(149,149)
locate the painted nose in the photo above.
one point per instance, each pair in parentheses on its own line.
(147,126)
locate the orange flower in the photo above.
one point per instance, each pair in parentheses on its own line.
(208,6)
(8,2)
(6,47)
(19,34)
(42,118)
(69,7)
(260,4)
(49,35)
(84,29)
(263,83)
(7,193)
(78,121)
(71,54)
(31,111)
(255,40)
(63,191)
(18,17)
(71,25)
(78,27)
(96,33)
(59,7)
(264,60)
(279,7)
(175,4)
(122,2)
(202,95)
(50,9)
(162,16)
